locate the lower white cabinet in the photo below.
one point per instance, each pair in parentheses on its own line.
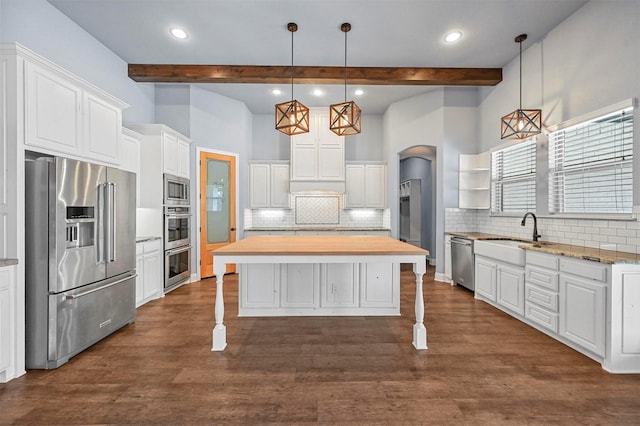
(582,312)
(299,285)
(149,283)
(485,278)
(510,288)
(319,289)
(447,258)
(339,285)
(7,325)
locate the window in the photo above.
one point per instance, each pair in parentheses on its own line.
(513,178)
(590,168)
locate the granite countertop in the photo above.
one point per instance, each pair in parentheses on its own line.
(8,262)
(319,228)
(142,239)
(579,252)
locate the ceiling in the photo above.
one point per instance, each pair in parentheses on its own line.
(385,33)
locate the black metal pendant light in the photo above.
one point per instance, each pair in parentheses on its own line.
(344,118)
(522,123)
(292,117)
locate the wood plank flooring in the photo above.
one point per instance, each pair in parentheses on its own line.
(482,367)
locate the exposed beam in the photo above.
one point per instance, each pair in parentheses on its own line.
(315,75)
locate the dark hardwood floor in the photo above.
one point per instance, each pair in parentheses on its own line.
(482,367)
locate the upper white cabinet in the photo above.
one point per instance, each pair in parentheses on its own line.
(130,156)
(317,156)
(162,150)
(366,185)
(269,185)
(474,181)
(65,115)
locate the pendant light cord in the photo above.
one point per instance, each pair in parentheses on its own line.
(345,66)
(292,97)
(520,75)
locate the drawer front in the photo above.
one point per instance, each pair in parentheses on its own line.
(542,277)
(541,316)
(548,261)
(541,297)
(591,270)
(151,246)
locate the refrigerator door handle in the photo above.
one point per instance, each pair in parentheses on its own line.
(100,201)
(79,295)
(111,221)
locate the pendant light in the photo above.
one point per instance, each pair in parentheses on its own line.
(292,117)
(522,123)
(344,118)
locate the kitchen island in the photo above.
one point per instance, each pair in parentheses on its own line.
(318,249)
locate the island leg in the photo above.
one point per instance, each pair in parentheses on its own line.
(219,332)
(419,330)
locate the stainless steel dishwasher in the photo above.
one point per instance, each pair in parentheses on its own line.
(462,262)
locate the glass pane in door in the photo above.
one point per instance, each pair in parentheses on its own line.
(218,206)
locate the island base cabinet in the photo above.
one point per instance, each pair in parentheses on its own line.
(339,285)
(582,313)
(299,285)
(259,286)
(319,289)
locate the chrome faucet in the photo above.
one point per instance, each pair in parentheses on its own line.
(535,225)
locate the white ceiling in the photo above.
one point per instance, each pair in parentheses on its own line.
(385,33)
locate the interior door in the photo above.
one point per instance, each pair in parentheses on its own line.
(217,207)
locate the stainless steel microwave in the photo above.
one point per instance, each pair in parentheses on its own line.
(176,190)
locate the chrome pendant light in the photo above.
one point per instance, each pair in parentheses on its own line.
(521,123)
(292,117)
(344,118)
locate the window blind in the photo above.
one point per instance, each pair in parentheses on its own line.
(590,166)
(513,178)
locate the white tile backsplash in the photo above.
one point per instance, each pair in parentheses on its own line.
(620,235)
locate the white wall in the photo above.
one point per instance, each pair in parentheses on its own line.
(445,119)
(39,26)
(366,146)
(173,107)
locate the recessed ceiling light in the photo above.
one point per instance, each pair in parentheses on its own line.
(358,92)
(453,36)
(276,92)
(179,33)
(317,92)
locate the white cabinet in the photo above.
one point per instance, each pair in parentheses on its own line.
(542,290)
(52,110)
(366,185)
(269,185)
(65,115)
(149,283)
(130,156)
(8,342)
(317,156)
(259,286)
(378,288)
(299,285)
(162,150)
(582,312)
(339,286)
(510,288)
(474,181)
(485,278)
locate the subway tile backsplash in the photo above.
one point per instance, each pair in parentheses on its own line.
(321,215)
(618,235)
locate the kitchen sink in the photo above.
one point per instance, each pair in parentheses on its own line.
(508,251)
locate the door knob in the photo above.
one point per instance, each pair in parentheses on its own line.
(233,229)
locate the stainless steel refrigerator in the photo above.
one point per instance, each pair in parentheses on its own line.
(80,256)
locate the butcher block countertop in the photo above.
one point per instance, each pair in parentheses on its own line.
(579,252)
(303,245)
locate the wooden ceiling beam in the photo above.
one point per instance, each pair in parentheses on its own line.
(375,76)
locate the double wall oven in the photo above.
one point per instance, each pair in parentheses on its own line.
(177,232)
